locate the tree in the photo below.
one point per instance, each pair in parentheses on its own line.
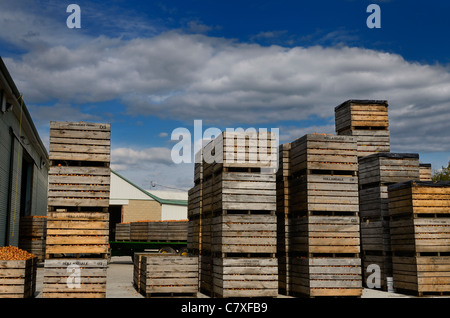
(443,174)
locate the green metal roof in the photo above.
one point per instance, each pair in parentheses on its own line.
(154,197)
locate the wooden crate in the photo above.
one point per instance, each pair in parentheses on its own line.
(323,152)
(245,277)
(198,167)
(194,236)
(80,141)
(324,234)
(72,278)
(79,186)
(316,193)
(32,233)
(419,197)
(388,168)
(374,202)
(369,141)
(18,278)
(422,275)
(420,235)
(166,231)
(33,226)
(333,277)
(383,260)
(195,200)
(77,233)
(137,263)
(362,114)
(241,150)
(122,232)
(243,191)
(206,273)
(425,171)
(282,179)
(375,234)
(244,233)
(169,275)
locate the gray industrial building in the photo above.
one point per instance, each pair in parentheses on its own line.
(24,162)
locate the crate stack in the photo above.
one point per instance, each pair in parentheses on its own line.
(123,232)
(425,171)
(376,173)
(77,218)
(238,216)
(368,121)
(33,229)
(282,179)
(195,208)
(323,229)
(420,232)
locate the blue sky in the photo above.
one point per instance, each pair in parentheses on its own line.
(149,67)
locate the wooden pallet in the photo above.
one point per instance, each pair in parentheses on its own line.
(361,114)
(421,275)
(332,277)
(163,274)
(18,278)
(388,168)
(323,152)
(324,234)
(244,233)
(79,186)
(77,233)
(245,277)
(71,278)
(80,141)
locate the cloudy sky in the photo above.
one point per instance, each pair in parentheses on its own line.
(149,67)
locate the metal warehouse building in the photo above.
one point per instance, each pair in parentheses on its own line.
(24,162)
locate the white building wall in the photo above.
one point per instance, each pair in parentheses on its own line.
(173,212)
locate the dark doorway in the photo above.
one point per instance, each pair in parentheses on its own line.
(26,185)
(115,216)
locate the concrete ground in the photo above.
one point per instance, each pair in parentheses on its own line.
(120,282)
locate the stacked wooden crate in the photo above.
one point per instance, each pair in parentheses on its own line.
(123,231)
(33,231)
(159,231)
(238,216)
(78,201)
(420,235)
(195,207)
(18,270)
(376,173)
(368,121)
(163,275)
(323,229)
(425,171)
(282,212)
